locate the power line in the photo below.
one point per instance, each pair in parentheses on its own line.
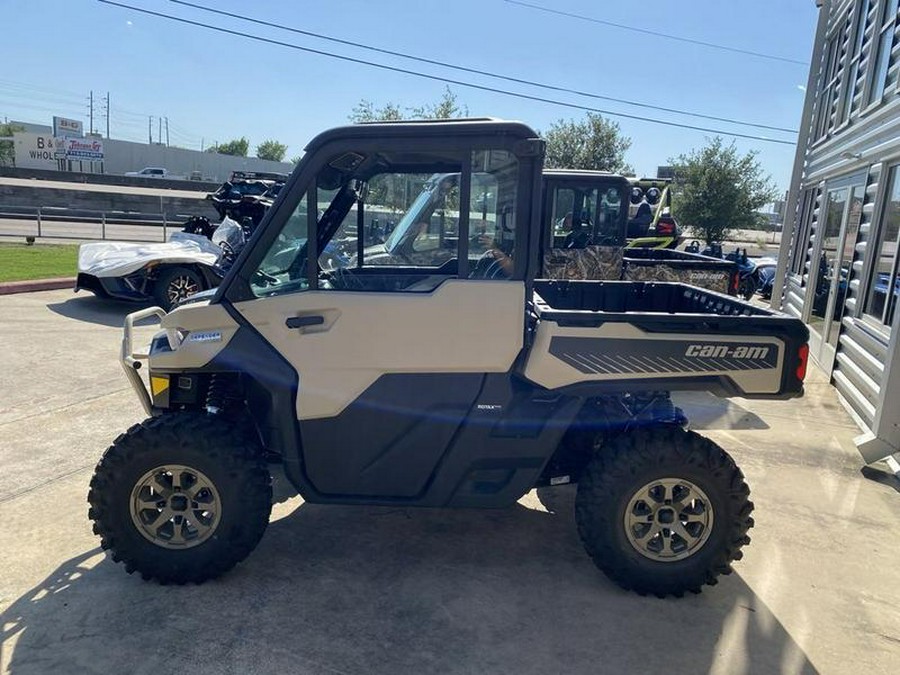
(16,104)
(668,36)
(60,92)
(476,71)
(439,78)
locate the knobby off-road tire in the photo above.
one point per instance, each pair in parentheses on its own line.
(748,287)
(651,546)
(181,498)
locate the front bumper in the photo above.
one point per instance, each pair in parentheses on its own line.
(131,360)
(134,287)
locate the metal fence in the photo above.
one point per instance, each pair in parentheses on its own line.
(64,223)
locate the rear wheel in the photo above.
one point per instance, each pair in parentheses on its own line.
(663,511)
(174,285)
(748,287)
(181,498)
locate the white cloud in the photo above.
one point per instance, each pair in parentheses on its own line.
(801,87)
(129,24)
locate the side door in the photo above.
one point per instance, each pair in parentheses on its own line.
(391,340)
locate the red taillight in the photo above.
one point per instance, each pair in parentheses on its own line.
(803,355)
(664,227)
(735,282)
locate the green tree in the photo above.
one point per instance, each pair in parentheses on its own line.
(271,150)
(445,108)
(296,160)
(7,149)
(238,147)
(365,111)
(716,190)
(392,190)
(594,144)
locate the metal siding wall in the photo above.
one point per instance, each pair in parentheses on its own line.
(808,265)
(867,140)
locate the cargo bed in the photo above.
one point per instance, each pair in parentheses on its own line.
(623,336)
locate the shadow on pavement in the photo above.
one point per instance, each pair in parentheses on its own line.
(341,589)
(96,310)
(707,411)
(882,475)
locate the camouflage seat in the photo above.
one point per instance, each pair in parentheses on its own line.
(589,263)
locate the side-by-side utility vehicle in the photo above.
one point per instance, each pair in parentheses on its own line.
(441,373)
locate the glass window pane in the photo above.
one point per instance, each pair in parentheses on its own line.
(801,249)
(860,26)
(882,59)
(826,268)
(492,253)
(849,90)
(883,283)
(283,269)
(844,262)
(421,216)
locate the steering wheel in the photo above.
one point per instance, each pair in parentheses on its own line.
(488,267)
(342,280)
(264,278)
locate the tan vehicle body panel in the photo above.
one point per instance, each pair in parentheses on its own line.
(547,370)
(208,328)
(463,326)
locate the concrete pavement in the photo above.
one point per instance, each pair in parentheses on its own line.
(378,590)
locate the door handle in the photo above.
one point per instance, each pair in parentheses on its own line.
(305,321)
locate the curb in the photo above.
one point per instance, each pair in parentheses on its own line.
(32,285)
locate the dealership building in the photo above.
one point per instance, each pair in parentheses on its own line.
(64,147)
(838,264)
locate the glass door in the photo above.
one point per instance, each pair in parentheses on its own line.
(830,271)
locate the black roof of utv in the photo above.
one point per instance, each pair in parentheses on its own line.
(477,126)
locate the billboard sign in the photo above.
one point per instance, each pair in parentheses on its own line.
(35,151)
(67,128)
(90,149)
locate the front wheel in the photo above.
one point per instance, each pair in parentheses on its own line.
(174,285)
(663,511)
(181,498)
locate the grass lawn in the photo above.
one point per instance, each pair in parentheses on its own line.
(19,262)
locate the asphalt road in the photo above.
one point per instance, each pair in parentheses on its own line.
(378,590)
(53,230)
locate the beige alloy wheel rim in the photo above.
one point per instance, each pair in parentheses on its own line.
(175,506)
(668,519)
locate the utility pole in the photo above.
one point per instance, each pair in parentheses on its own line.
(92,111)
(107,114)
(159,135)
(150,130)
(167,131)
(201,144)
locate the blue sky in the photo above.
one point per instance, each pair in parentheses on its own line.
(215,87)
